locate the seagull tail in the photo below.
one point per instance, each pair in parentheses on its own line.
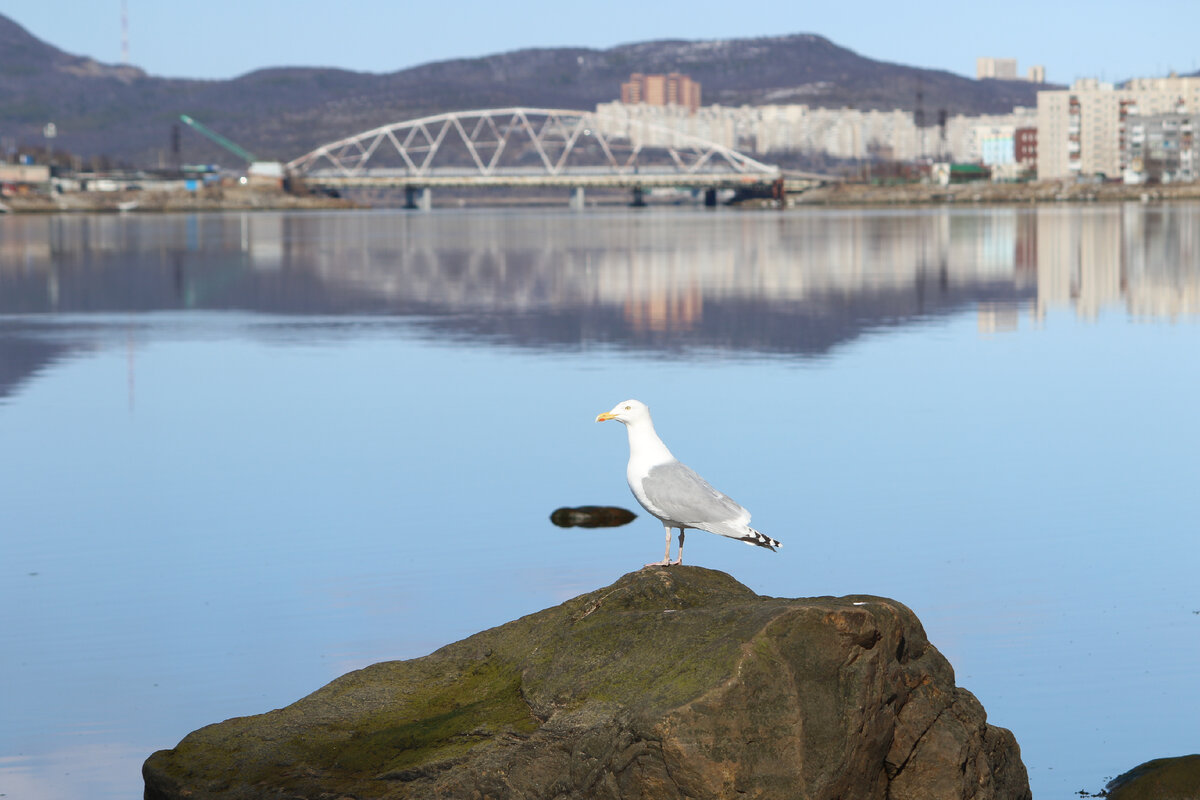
(754,537)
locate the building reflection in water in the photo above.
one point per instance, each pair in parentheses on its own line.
(796,283)
(1142,258)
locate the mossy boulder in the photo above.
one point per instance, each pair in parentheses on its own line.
(670,683)
(1161,779)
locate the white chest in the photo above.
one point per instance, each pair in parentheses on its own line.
(646,451)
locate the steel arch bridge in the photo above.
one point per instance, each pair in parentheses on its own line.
(529,147)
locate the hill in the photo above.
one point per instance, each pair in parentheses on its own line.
(281,113)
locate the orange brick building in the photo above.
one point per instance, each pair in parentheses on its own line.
(673,89)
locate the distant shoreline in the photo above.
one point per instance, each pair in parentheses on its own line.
(851,195)
(210,199)
(911,194)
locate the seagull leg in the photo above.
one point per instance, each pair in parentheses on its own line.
(666,558)
(680,559)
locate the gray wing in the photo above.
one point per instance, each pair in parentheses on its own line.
(683,496)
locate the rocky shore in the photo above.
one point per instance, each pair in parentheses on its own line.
(670,683)
(908,194)
(213,198)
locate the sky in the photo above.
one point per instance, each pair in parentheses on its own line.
(1107,39)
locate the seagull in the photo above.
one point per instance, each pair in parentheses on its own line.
(672,491)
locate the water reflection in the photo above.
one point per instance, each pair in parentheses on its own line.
(1145,259)
(666,281)
(592,517)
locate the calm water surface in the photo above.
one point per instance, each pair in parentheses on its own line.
(244,454)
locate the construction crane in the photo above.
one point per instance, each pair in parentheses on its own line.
(237,150)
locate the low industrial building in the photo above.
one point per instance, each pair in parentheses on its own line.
(22,178)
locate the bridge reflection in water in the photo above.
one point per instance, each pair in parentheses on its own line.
(672,282)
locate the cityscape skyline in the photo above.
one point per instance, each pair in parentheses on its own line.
(377,36)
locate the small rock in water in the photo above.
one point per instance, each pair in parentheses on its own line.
(1175,778)
(592,517)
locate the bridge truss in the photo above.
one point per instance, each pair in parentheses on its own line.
(529,146)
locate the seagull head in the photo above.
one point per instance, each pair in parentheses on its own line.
(626,411)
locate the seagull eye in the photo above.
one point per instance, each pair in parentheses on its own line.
(629,408)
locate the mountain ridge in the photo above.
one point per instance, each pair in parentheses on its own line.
(282,112)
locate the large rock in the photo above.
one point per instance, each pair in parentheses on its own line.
(670,683)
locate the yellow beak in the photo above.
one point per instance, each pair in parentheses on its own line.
(607,415)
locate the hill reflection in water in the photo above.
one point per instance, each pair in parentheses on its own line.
(663,281)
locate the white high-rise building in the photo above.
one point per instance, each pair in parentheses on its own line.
(1081,130)
(845,133)
(1004,69)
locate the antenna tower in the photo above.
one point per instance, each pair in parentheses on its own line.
(125,32)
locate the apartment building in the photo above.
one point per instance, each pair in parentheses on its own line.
(1082,131)
(988,139)
(672,89)
(1160,148)
(1005,69)
(846,133)
(1025,145)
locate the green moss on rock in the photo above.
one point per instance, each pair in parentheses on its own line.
(484,701)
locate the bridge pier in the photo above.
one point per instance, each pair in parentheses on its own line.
(710,198)
(639,197)
(578,201)
(418,197)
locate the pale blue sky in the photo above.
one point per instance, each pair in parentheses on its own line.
(224,38)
